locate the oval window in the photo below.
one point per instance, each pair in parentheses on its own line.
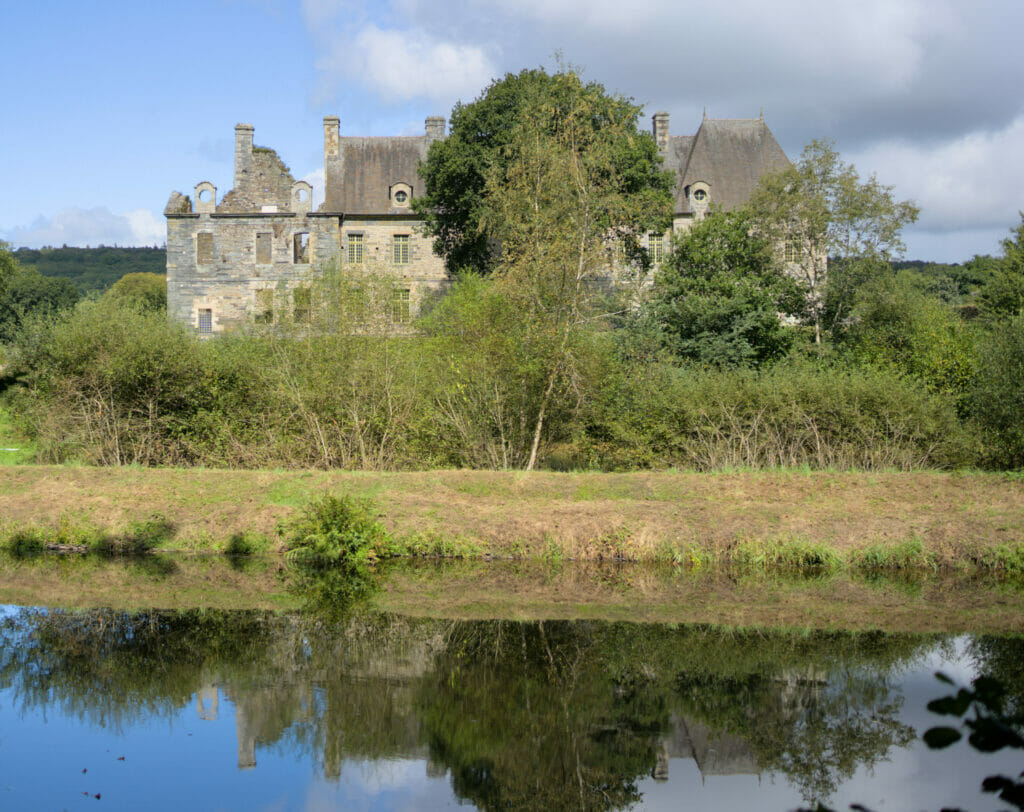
(401,197)
(700,194)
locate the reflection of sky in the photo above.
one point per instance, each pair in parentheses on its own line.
(50,760)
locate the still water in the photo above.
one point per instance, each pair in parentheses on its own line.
(213,709)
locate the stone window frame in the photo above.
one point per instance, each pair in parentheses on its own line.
(204,321)
(300,254)
(400,249)
(270,247)
(355,247)
(200,253)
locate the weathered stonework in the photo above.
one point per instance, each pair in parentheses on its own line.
(245,257)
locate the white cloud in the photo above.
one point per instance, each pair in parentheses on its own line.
(411,64)
(97,226)
(970,182)
(396,63)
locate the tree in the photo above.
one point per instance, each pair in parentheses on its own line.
(820,209)
(8,266)
(721,291)
(147,290)
(457,169)
(1003,295)
(574,174)
(28,292)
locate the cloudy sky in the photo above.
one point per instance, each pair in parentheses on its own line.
(108,106)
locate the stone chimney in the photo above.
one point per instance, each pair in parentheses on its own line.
(332,137)
(660,129)
(243,154)
(435,128)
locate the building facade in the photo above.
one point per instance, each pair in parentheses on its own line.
(254,253)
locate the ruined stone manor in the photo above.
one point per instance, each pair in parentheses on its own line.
(250,254)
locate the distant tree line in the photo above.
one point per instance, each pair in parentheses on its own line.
(92,269)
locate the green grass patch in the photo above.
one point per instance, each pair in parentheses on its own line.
(909,554)
(784,554)
(246,543)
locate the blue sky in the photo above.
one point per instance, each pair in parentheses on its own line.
(109,106)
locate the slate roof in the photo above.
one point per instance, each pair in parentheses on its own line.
(730,155)
(359,180)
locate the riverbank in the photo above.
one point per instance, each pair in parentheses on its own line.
(927,518)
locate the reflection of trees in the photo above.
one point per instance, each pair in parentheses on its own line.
(1003,659)
(528,716)
(524,715)
(816,720)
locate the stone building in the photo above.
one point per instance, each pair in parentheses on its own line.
(252,255)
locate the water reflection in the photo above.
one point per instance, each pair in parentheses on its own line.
(567,715)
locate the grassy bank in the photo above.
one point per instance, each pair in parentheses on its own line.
(777,519)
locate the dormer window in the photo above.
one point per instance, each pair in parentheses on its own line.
(401,195)
(700,194)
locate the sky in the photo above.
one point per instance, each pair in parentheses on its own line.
(108,106)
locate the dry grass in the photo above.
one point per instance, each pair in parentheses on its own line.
(578,516)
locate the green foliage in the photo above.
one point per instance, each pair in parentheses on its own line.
(147,291)
(246,543)
(27,293)
(823,207)
(719,296)
(997,396)
(93,269)
(1003,296)
(898,327)
(793,414)
(481,143)
(335,530)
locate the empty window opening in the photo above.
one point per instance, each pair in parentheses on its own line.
(205,321)
(302,195)
(656,247)
(205,195)
(204,248)
(300,254)
(355,248)
(400,249)
(263,245)
(264,312)
(400,306)
(300,304)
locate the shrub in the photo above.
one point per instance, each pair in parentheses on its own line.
(335,530)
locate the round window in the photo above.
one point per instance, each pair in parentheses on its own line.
(700,194)
(401,197)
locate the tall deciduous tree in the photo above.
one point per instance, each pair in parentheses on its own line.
(480,145)
(820,208)
(720,294)
(574,174)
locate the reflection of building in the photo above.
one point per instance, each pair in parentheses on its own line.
(249,255)
(714,753)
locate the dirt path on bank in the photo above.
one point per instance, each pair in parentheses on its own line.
(578,515)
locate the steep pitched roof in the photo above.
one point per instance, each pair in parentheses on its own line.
(730,155)
(359,180)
